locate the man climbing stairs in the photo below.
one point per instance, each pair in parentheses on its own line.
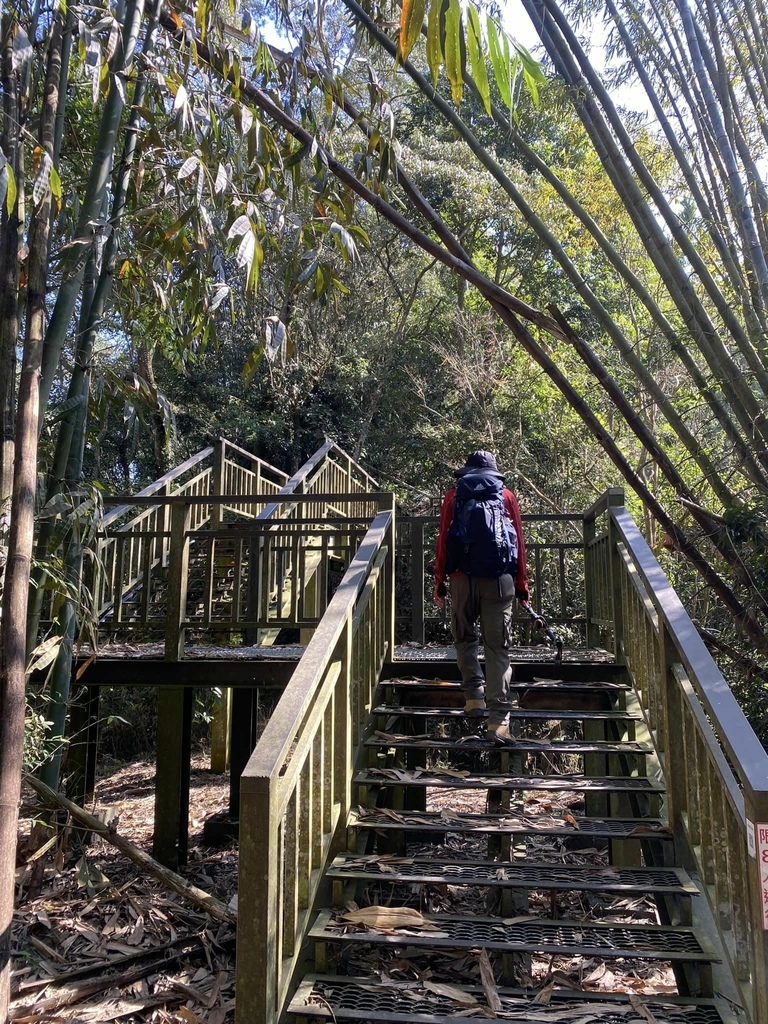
(538,883)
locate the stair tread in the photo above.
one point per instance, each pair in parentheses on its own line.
(529,934)
(512,874)
(438,821)
(523,745)
(455,685)
(434,777)
(344,998)
(547,714)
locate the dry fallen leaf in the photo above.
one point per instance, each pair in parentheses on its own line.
(544,995)
(386,918)
(458,995)
(488,981)
(642,1008)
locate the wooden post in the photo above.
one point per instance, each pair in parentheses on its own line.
(174,711)
(222,715)
(589,532)
(81,757)
(259,882)
(244,705)
(756,808)
(222,708)
(417,580)
(388,597)
(217,481)
(615,499)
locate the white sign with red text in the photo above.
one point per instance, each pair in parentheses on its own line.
(761,833)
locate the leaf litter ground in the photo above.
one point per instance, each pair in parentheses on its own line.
(92,918)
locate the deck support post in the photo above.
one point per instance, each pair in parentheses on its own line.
(81,758)
(174,711)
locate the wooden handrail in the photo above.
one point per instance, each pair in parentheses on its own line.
(716,770)
(742,746)
(128,500)
(253,458)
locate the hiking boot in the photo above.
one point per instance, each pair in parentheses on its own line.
(501,736)
(475,708)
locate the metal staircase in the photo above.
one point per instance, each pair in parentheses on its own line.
(394,866)
(521,861)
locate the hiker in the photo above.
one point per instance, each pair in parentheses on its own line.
(480,549)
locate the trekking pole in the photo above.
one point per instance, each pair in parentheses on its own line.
(547,630)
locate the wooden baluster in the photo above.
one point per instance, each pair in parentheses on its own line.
(418,595)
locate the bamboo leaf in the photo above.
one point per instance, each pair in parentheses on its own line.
(251,364)
(218,297)
(246,250)
(477,57)
(222,181)
(453,62)
(532,84)
(42,176)
(181,99)
(12,193)
(499,53)
(411,20)
(22,48)
(188,167)
(434,43)
(530,64)
(240,227)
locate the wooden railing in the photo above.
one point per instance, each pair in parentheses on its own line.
(715,767)
(295,791)
(225,499)
(555,550)
(134,537)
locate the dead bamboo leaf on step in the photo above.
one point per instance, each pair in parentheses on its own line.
(400,737)
(544,995)
(642,1008)
(386,919)
(453,992)
(454,773)
(488,981)
(572,821)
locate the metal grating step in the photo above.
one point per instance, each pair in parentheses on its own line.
(523,745)
(512,874)
(449,779)
(510,824)
(516,714)
(454,686)
(368,1000)
(533,934)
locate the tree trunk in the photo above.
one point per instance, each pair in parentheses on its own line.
(9,272)
(12,626)
(90,209)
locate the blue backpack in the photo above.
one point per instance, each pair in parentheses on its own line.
(481,540)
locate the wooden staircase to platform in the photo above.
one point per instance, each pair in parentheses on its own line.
(625,833)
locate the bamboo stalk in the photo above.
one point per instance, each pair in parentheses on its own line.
(197,897)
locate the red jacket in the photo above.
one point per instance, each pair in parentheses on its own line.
(513,512)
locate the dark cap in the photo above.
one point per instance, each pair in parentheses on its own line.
(478,461)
